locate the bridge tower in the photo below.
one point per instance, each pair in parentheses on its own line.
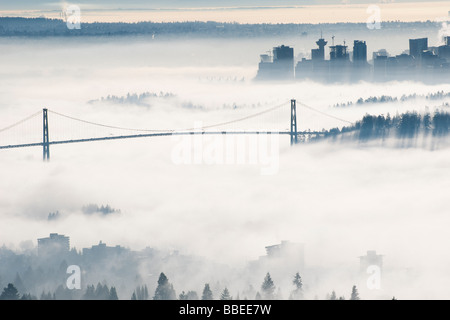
(294,136)
(45,142)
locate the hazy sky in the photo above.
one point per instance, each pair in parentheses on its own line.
(29,4)
(235,11)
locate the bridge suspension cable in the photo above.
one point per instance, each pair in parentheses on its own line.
(105,125)
(241,119)
(21,121)
(171,130)
(323,113)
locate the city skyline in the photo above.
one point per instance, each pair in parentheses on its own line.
(420,62)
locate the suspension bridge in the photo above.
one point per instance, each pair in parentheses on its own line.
(45,142)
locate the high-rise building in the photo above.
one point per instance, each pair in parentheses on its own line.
(417,46)
(280,66)
(444,51)
(370,259)
(319,54)
(54,245)
(359,51)
(283,62)
(283,53)
(102,251)
(339,52)
(292,252)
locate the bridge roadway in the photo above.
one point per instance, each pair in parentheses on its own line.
(161,134)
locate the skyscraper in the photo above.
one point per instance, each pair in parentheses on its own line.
(319,54)
(339,52)
(280,67)
(283,61)
(359,51)
(417,46)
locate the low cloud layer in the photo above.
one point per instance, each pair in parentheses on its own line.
(339,199)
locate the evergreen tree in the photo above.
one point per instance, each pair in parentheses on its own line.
(355,294)
(182,296)
(225,295)
(333,296)
(113,294)
(133,296)
(207,293)
(268,288)
(142,292)
(10,293)
(190,295)
(427,124)
(165,290)
(101,292)
(63,293)
(297,293)
(139,293)
(90,293)
(258,296)
(28,296)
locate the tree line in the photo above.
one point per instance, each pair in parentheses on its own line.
(43,27)
(404,126)
(166,291)
(440,95)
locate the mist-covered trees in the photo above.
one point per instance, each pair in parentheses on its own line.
(113,294)
(99,292)
(141,99)
(333,295)
(140,293)
(190,295)
(164,290)
(440,95)
(207,293)
(355,294)
(16,26)
(406,126)
(297,293)
(268,288)
(10,293)
(225,295)
(104,210)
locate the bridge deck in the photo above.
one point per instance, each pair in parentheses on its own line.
(162,134)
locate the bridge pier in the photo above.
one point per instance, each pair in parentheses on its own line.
(294,136)
(45,142)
